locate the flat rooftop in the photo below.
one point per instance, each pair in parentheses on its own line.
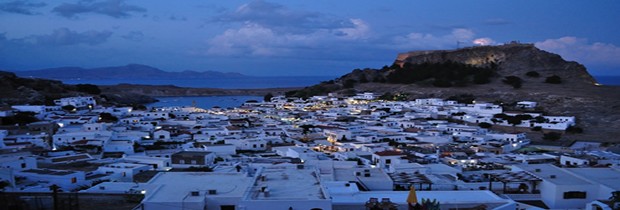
(287,183)
(177,186)
(400,197)
(560,175)
(48,172)
(603,176)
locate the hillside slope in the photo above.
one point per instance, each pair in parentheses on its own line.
(576,93)
(16,90)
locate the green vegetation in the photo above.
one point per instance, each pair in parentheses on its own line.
(20,118)
(552,136)
(88,88)
(485,125)
(394,97)
(312,91)
(267,97)
(463,98)
(445,74)
(107,117)
(574,129)
(68,108)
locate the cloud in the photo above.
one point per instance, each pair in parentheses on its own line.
(253,39)
(281,18)
(359,30)
(579,49)
(258,40)
(417,41)
(177,18)
(21,7)
(497,21)
(64,37)
(484,41)
(112,8)
(136,36)
(265,29)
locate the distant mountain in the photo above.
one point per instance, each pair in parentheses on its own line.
(131,71)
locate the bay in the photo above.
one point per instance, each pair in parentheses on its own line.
(608,80)
(225,83)
(205,102)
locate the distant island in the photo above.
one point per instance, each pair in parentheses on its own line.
(130,71)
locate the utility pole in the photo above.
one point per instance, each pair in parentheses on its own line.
(54,189)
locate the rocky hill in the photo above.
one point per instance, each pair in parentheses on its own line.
(131,71)
(17,90)
(500,74)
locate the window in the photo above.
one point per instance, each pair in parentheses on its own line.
(23,165)
(388,161)
(574,195)
(227,207)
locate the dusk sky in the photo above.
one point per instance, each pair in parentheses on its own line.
(292,38)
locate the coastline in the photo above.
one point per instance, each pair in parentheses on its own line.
(171,90)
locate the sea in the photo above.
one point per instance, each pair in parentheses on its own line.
(208,102)
(226,83)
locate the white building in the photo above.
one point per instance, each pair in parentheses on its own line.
(526,104)
(561,189)
(66,180)
(123,172)
(196,190)
(18,162)
(77,102)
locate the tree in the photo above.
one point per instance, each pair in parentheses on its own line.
(88,88)
(306,128)
(574,129)
(4,184)
(138,107)
(349,83)
(21,118)
(107,117)
(68,108)
(485,125)
(513,81)
(267,97)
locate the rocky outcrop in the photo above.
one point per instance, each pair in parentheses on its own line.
(511,59)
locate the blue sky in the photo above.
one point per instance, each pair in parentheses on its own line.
(284,38)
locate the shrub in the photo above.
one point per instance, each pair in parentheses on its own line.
(88,88)
(513,81)
(485,125)
(552,136)
(267,97)
(574,129)
(555,79)
(532,74)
